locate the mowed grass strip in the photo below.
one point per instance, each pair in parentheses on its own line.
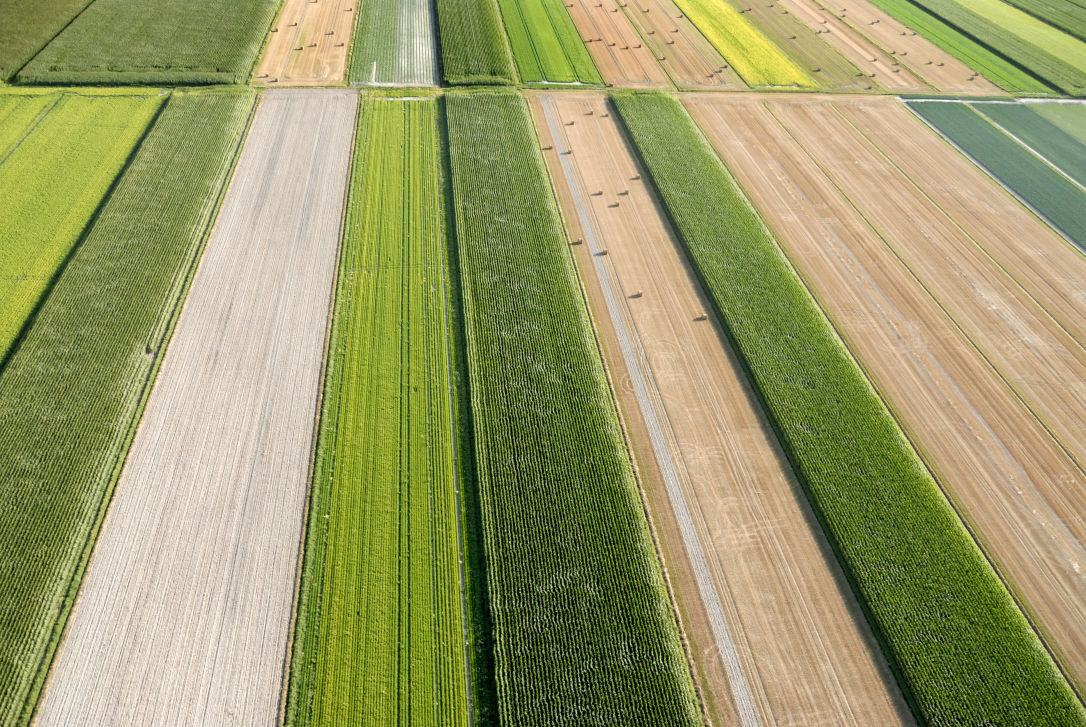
(545,42)
(965,653)
(70,396)
(474,49)
(584,631)
(63,151)
(168,42)
(1050,141)
(1052,195)
(381,629)
(993,66)
(753,56)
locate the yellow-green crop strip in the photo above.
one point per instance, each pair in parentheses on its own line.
(59,153)
(757,61)
(381,629)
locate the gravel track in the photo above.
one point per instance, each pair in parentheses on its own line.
(185,610)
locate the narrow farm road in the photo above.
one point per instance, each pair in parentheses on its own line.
(185,611)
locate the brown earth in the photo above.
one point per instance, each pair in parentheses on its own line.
(689,59)
(308,44)
(912,51)
(804,651)
(1016,487)
(621,56)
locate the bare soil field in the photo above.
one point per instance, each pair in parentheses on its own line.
(793,647)
(870,26)
(622,57)
(184,614)
(850,237)
(309,44)
(688,57)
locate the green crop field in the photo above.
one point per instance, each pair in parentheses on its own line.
(381,629)
(981,58)
(757,61)
(1059,200)
(1057,57)
(1070,118)
(584,632)
(545,42)
(156,42)
(474,48)
(964,652)
(25,28)
(1050,141)
(61,152)
(71,394)
(1066,15)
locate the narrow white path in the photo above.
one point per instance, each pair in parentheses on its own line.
(186,606)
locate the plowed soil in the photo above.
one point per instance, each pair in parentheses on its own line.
(949,340)
(804,650)
(184,614)
(309,44)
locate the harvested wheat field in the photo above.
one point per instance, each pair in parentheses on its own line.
(959,366)
(308,45)
(185,610)
(621,56)
(689,59)
(776,634)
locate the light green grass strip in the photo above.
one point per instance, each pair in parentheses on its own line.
(381,630)
(1069,117)
(965,654)
(1066,48)
(71,394)
(545,42)
(52,179)
(757,61)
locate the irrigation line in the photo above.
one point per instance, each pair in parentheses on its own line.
(744,700)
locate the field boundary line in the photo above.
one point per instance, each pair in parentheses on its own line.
(744,699)
(960,511)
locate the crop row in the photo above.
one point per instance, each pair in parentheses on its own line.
(59,153)
(965,654)
(71,393)
(583,629)
(381,632)
(474,49)
(1046,138)
(545,42)
(1069,17)
(28,26)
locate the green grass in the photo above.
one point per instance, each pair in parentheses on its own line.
(62,151)
(1063,14)
(757,61)
(381,628)
(71,394)
(1050,141)
(474,49)
(1058,58)
(584,631)
(1071,119)
(963,651)
(158,42)
(979,57)
(1051,194)
(545,42)
(27,25)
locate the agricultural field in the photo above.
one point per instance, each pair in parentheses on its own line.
(981,660)
(384,534)
(582,621)
(545,43)
(474,47)
(1044,138)
(1070,118)
(395,44)
(28,26)
(971,427)
(308,44)
(617,49)
(238,384)
(72,393)
(1067,15)
(1055,196)
(59,154)
(757,61)
(783,643)
(123,42)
